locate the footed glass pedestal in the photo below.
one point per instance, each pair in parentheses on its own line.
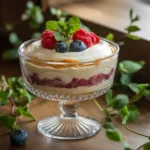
(68,126)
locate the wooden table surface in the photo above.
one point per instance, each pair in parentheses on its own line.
(43,108)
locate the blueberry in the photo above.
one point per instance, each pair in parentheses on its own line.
(18,137)
(77,46)
(61,47)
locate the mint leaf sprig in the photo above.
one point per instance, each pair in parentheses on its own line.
(130,29)
(13,91)
(62,30)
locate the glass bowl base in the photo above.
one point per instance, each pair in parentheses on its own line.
(68,128)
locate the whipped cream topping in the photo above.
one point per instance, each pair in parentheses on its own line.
(98,51)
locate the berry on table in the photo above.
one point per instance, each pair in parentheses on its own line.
(48,40)
(61,47)
(18,137)
(77,46)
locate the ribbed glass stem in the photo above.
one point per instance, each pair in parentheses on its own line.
(69,109)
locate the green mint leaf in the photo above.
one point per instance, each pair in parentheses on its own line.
(125,78)
(129,114)
(146,146)
(131,13)
(36,35)
(53,11)
(13,39)
(11,54)
(23,111)
(59,36)
(108,126)
(73,25)
(114,135)
(126,146)
(128,66)
(138,96)
(4,97)
(107,115)
(30,5)
(61,26)
(7,121)
(110,37)
(136,18)
(8,26)
(133,37)
(119,101)
(37,15)
(108,97)
(143,86)
(52,25)
(132,28)
(133,87)
(33,25)
(147,94)
(4,83)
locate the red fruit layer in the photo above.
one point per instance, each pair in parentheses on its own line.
(48,40)
(74,83)
(89,38)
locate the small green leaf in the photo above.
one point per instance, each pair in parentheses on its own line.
(108,126)
(136,18)
(73,25)
(59,36)
(133,87)
(4,83)
(138,96)
(132,28)
(143,86)
(114,135)
(128,66)
(7,121)
(30,5)
(23,111)
(4,97)
(129,114)
(146,146)
(13,38)
(108,97)
(125,78)
(110,37)
(147,94)
(133,37)
(131,13)
(126,146)
(33,25)
(8,27)
(37,16)
(11,54)
(36,35)
(53,10)
(107,115)
(51,25)
(119,101)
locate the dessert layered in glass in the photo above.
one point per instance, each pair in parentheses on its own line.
(70,72)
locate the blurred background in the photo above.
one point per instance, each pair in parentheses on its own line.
(21,20)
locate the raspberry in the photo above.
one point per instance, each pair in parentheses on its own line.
(96,37)
(89,38)
(48,40)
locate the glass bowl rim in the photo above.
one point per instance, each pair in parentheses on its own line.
(26,43)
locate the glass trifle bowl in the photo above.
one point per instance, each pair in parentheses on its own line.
(68,82)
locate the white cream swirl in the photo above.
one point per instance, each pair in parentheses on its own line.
(98,51)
